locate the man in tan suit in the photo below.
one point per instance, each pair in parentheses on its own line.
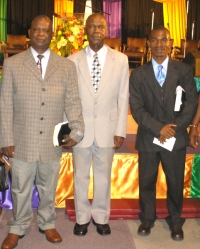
(32,102)
(105,108)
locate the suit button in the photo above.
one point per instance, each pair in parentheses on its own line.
(42,103)
(43,89)
(41,132)
(41,118)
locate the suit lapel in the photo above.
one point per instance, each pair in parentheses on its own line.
(171,79)
(107,70)
(51,67)
(29,62)
(169,83)
(84,70)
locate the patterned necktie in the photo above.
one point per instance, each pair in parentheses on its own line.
(39,64)
(160,75)
(96,72)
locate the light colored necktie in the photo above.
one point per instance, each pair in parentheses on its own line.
(39,64)
(160,75)
(96,72)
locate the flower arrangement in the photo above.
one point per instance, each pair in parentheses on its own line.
(69,37)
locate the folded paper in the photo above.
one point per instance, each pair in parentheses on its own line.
(168,144)
(178,101)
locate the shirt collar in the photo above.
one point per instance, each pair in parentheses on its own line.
(100,53)
(164,64)
(35,53)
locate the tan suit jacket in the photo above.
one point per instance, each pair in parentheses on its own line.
(104,112)
(105,115)
(30,106)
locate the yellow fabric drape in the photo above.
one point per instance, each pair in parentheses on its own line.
(124,179)
(68,7)
(174,12)
(166,1)
(64,8)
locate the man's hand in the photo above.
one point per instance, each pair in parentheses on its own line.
(8,151)
(1,154)
(194,136)
(167,131)
(69,143)
(162,139)
(118,141)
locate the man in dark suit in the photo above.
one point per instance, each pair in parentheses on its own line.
(153,90)
(32,101)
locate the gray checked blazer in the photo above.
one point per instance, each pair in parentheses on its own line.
(31,106)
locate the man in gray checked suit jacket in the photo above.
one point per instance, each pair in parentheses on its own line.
(31,104)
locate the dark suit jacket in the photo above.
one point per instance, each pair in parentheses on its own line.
(151,112)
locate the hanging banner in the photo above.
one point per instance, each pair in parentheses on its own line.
(88,9)
(62,10)
(175,19)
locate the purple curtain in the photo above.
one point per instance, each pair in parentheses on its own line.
(6,198)
(114,20)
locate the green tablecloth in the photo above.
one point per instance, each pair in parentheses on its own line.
(197,80)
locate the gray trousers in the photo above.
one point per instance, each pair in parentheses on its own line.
(23,176)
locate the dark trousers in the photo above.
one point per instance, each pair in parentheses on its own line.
(173,164)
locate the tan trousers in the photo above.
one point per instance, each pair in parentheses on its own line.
(101,161)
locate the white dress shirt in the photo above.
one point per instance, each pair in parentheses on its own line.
(101,56)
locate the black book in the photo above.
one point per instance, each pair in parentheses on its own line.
(61,131)
(3,177)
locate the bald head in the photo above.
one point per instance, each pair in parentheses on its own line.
(41,17)
(95,15)
(96,30)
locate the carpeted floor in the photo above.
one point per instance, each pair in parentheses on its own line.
(120,237)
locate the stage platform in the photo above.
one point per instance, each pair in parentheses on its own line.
(129,209)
